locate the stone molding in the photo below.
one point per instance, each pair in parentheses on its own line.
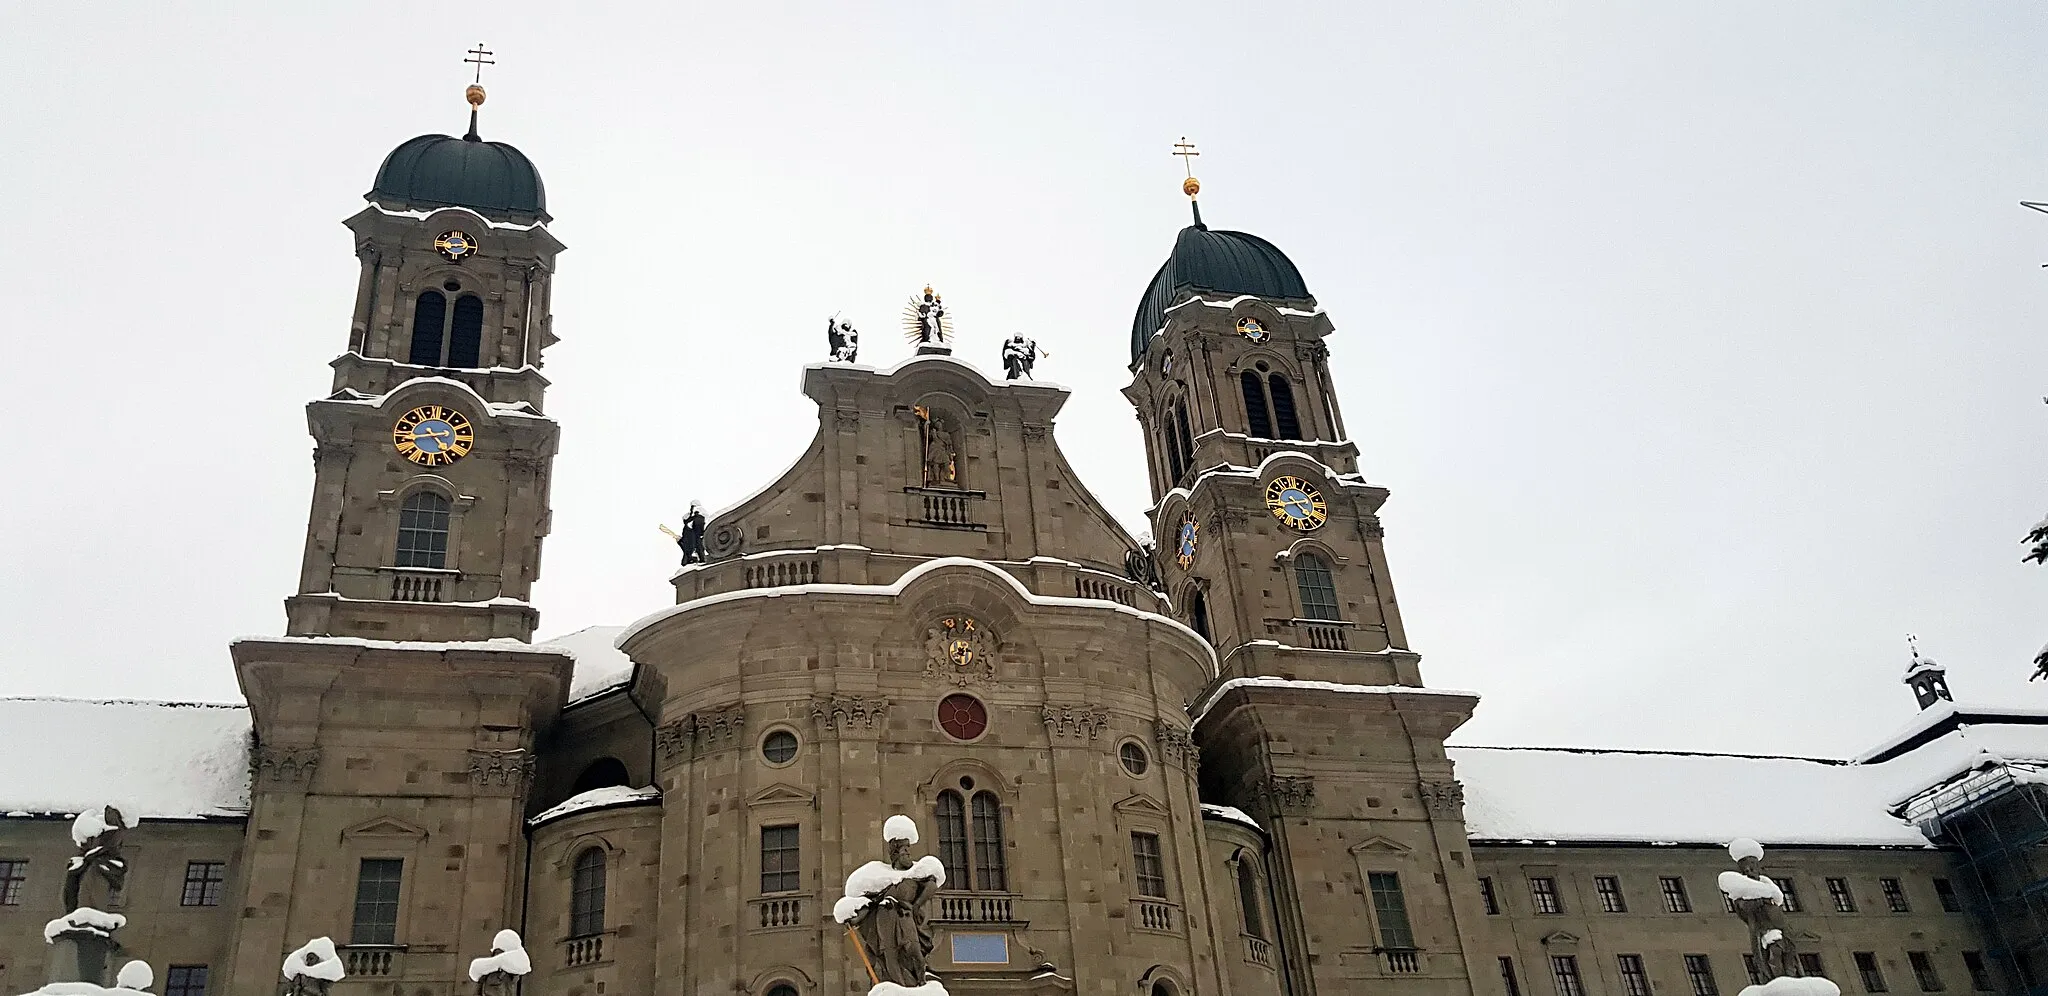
(849,713)
(284,766)
(1444,798)
(1287,794)
(700,733)
(511,770)
(1177,745)
(1077,721)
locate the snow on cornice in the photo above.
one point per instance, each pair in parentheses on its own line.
(497,409)
(1209,701)
(1187,491)
(609,797)
(1231,814)
(910,577)
(793,551)
(508,226)
(500,645)
(946,359)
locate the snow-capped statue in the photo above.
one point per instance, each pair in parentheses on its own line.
(926,322)
(691,539)
(884,907)
(499,974)
(841,339)
(82,941)
(98,836)
(1761,905)
(1019,356)
(313,969)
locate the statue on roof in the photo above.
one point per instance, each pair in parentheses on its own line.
(926,321)
(842,339)
(1019,356)
(691,539)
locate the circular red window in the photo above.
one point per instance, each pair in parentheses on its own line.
(963,717)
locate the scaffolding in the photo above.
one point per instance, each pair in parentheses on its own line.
(1993,821)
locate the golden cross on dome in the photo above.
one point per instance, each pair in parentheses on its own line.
(1186,150)
(481,56)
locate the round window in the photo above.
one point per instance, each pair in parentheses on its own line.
(779,747)
(1133,757)
(451,286)
(963,717)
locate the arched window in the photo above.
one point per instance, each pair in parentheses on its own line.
(1248,899)
(1318,589)
(604,772)
(782,989)
(586,894)
(1163,988)
(1284,417)
(1198,614)
(428,317)
(1258,421)
(1176,458)
(466,332)
(423,531)
(979,841)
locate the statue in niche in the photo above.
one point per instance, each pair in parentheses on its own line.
(842,339)
(940,448)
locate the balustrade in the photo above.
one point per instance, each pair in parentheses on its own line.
(782,573)
(773,913)
(408,586)
(1155,915)
(583,950)
(369,960)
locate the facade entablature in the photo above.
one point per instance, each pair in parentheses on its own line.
(503,385)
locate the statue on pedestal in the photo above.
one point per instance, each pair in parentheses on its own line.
(927,324)
(842,339)
(691,539)
(1760,904)
(1019,356)
(884,906)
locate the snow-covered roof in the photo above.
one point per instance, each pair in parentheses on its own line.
(600,665)
(598,798)
(155,760)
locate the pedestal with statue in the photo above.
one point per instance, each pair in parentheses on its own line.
(1761,906)
(82,943)
(884,912)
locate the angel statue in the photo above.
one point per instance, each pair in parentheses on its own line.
(842,338)
(1019,355)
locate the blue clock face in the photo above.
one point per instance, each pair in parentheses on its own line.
(1296,503)
(433,436)
(1184,546)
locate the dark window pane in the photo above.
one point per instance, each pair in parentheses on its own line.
(376,919)
(1634,981)
(1150,868)
(781,860)
(1507,977)
(1894,895)
(1318,590)
(423,531)
(1945,891)
(1391,908)
(1980,976)
(1543,891)
(1187,438)
(12,875)
(988,844)
(427,317)
(1809,964)
(466,332)
(1564,970)
(1675,898)
(1700,973)
(604,772)
(586,894)
(1248,899)
(185,980)
(1609,888)
(779,747)
(1488,898)
(1923,970)
(1791,892)
(1284,418)
(1258,422)
(1867,970)
(1198,614)
(203,883)
(951,816)
(1839,894)
(1756,976)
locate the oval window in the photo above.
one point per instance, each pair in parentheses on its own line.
(1133,757)
(779,747)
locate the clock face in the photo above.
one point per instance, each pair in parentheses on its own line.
(1296,503)
(1253,329)
(455,244)
(433,435)
(1184,541)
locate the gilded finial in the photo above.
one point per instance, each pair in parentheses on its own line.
(480,57)
(1190,186)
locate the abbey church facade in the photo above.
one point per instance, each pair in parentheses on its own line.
(1213,768)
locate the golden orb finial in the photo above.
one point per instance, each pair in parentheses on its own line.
(475,95)
(1191,186)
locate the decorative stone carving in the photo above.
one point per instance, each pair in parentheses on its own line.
(1233,517)
(1036,430)
(700,732)
(846,419)
(1288,794)
(284,765)
(673,739)
(1177,745)
(1374,529)
(846,713)
(1079,722)
(509,769)
(1311,351)
(961,651)
(1445,798)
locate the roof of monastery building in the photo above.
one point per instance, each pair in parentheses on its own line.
(187,761)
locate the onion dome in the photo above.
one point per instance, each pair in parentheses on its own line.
(1214,263)
(492,178)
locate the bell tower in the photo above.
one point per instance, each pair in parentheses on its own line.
(1270,545)
(433,449)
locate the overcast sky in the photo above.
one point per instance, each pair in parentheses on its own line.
(1701,348)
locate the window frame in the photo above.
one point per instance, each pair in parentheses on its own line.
(1545,899)
(13,880)
(1840,895)
(407,539)
(782,848)
(445,346)
(1564,975)
(1676,898)
(1699,975)
(178,980)
(1945,893)
(1390,910)
(1148,865)
(1810,963)
(1608,888)
(1507,976)
(212,882)
(1251,914)
(1869,972)
(1791,890)
(1979,971)
(588,881)
(1325,585)
(967,853)
(357,934)
(1489,898)
(1924,971)
(1635,979)
(1894,892)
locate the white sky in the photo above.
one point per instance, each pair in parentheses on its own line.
(1701,348)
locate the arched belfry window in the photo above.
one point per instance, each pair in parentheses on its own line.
(1258,421)
(1248,899)
(586,894)
(1284,418)
(1180,443)
(423,531)
(1318,589)
(445,337)
(1198,614)
(972,849)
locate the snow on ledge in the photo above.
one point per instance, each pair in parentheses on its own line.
(598,798)
(500,645)
(1231,814)
(1212,698)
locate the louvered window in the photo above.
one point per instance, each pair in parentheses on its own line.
(1258,421)
(1284,418)
(429,315)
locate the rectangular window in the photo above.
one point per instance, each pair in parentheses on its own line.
(1809,964)
(1507,977)
(1675,899)
(781,869)
(1894,895)
(1544,892)
(1923,970)
(203,881)
(1391,909)
(1488,898)
(1980,976)
(376,919)
(1791,893)
(1634,981)
(1609,888)
(1945,891)
(1867,970)
(1151,868)
(1756,978)
(1700,972)
(1564,970)
(12,875)
(1838,892)
(185,980)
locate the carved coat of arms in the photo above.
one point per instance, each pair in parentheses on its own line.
(961,652)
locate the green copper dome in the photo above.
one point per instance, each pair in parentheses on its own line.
(1227,263)
(491,178)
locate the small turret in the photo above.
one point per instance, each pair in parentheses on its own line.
(1929,680)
